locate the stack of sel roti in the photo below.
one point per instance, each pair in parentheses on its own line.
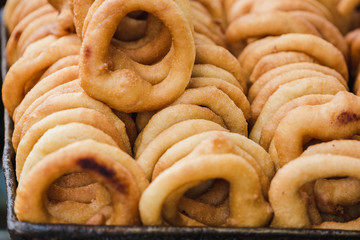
(229,113)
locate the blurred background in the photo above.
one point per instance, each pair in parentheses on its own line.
(3,232)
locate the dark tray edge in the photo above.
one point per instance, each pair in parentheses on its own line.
(25,230)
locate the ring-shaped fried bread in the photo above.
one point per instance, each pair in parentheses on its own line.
(125,90)
(223,166)
(339,119)
(86,156)
(289,209)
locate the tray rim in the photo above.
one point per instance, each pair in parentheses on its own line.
(21,230)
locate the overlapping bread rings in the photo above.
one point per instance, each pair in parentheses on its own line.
(223,72)
(86,116)
(323,9)
(269,129)
(44,85)
(267,85)
(290,91)
(222,152)
(226,107)
(25,73)
(276,23)
(169,137)
(122,84)
(106,164)
(38,20)
(278,17)
(338,120)
(12,51)
(290,210)
(59,137)
(62,98)
(314,47)
(19,9)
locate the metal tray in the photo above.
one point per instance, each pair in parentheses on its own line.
(25,230)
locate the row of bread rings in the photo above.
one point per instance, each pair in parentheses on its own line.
(70,149)
(294,79)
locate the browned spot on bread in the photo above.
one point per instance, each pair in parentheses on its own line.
(87,51)
(91,164)
(17,34)
(347,117)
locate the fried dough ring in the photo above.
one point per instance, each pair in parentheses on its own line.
(217,144)
(12,53)
(256,25)
(170,116)
(86,156)
(81,115)
(309,44)
(276,60)
(290,91)
(289,209)
(269,88)
(330,193)
(232,115)
(62,102)
(305,66)
(140,95)
(169,137)
(186,146)
(44,85)
(339,117)
(209,167)
(23,71)
(270,127)
(58,137)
